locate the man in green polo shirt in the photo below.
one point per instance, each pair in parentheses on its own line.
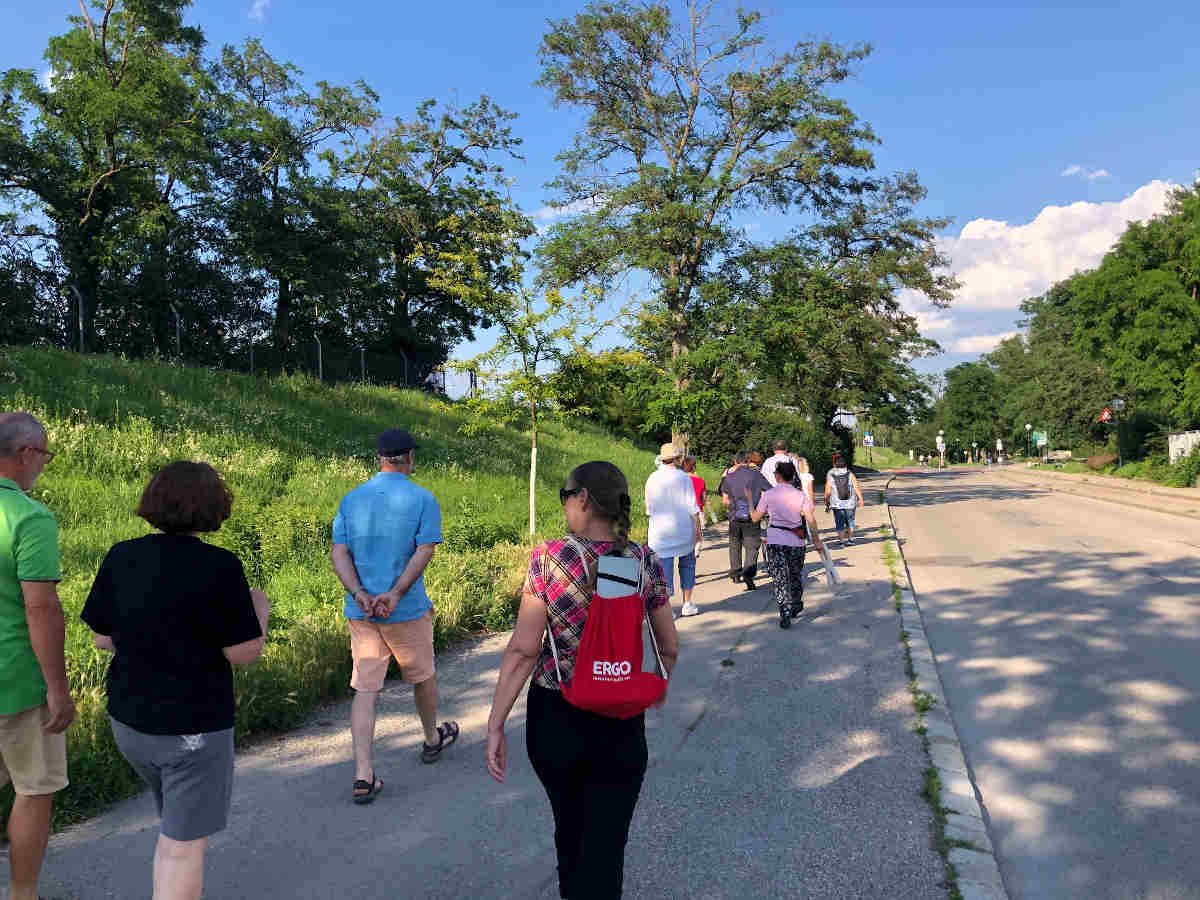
(35,704)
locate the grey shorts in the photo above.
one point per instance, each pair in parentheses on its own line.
(191,776)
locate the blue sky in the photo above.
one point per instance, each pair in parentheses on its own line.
(1039,128)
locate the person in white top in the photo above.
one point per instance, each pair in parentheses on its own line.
(674,523)
(781,455)
(842,494)
(804,477)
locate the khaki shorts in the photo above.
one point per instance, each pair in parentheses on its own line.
(35,762)
(372,644)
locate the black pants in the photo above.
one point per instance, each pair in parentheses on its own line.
(743,535)
(592,769)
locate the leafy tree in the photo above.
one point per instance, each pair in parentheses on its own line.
(281,218)
(27,317)
(534,334)
(971,409)
(112,141)
(430,194)
(1044,380)
(612,388)
(686,129)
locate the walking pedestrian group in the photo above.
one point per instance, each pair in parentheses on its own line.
(178,613)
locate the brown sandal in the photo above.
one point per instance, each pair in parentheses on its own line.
(365,791)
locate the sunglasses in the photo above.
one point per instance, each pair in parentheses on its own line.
(564,493)
(49,454)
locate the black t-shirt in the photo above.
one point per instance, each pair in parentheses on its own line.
(735,483)
(170,604)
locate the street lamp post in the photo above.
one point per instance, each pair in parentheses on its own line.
(942,446)
(1028,451)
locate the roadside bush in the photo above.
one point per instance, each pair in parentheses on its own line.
(1187,470)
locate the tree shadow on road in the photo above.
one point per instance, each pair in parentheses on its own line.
(1078,700)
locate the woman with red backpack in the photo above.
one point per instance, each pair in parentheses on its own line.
(579,630)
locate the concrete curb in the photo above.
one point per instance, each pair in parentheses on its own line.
(978,873)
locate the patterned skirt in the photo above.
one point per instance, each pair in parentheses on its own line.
(786,565)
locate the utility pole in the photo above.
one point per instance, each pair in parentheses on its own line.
(178,351)
(79,297)
(317,338)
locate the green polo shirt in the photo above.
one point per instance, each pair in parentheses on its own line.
(28,552)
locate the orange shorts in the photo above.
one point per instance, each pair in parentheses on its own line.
(372,644)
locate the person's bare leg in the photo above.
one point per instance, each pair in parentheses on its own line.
(28,832)
(426,695)
(687,596)
(362,733)
(179,869)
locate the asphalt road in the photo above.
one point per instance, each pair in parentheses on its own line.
(784,764)
(1067,636)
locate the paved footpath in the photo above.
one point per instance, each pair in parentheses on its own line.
(784,765)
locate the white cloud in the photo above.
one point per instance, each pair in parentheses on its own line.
(258,11)
(933,321)
(1089,174)
(980,343)
(47,79)
(552,213)
(999,264)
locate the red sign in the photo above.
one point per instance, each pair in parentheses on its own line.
(1106,416)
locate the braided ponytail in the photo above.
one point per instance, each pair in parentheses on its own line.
(622,523)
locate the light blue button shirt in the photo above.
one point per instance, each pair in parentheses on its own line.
(383,522)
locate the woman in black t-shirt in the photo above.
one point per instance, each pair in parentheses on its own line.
(177,612)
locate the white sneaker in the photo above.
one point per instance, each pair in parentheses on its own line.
(691,609)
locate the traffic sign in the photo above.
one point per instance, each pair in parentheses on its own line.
(1106,415)
(868,440)
(1039,439)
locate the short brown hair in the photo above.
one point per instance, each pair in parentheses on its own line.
(756,458)
(186,497)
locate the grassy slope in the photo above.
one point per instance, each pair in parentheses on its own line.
(881,458)
(290,448)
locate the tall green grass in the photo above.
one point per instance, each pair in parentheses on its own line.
(290,448)
(882,458)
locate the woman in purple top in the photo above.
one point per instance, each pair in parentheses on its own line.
(792,521)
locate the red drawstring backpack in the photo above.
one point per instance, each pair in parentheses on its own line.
(608,677)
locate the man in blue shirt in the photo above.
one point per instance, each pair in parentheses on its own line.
(384,536)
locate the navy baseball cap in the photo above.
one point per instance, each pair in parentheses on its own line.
(395,441)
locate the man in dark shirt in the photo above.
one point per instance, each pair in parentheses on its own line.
(744,534)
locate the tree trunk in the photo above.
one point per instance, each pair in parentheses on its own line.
(84,278)
(679,347)
(533,485)
(283,319)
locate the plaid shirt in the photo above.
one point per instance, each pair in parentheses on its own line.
(557,575)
